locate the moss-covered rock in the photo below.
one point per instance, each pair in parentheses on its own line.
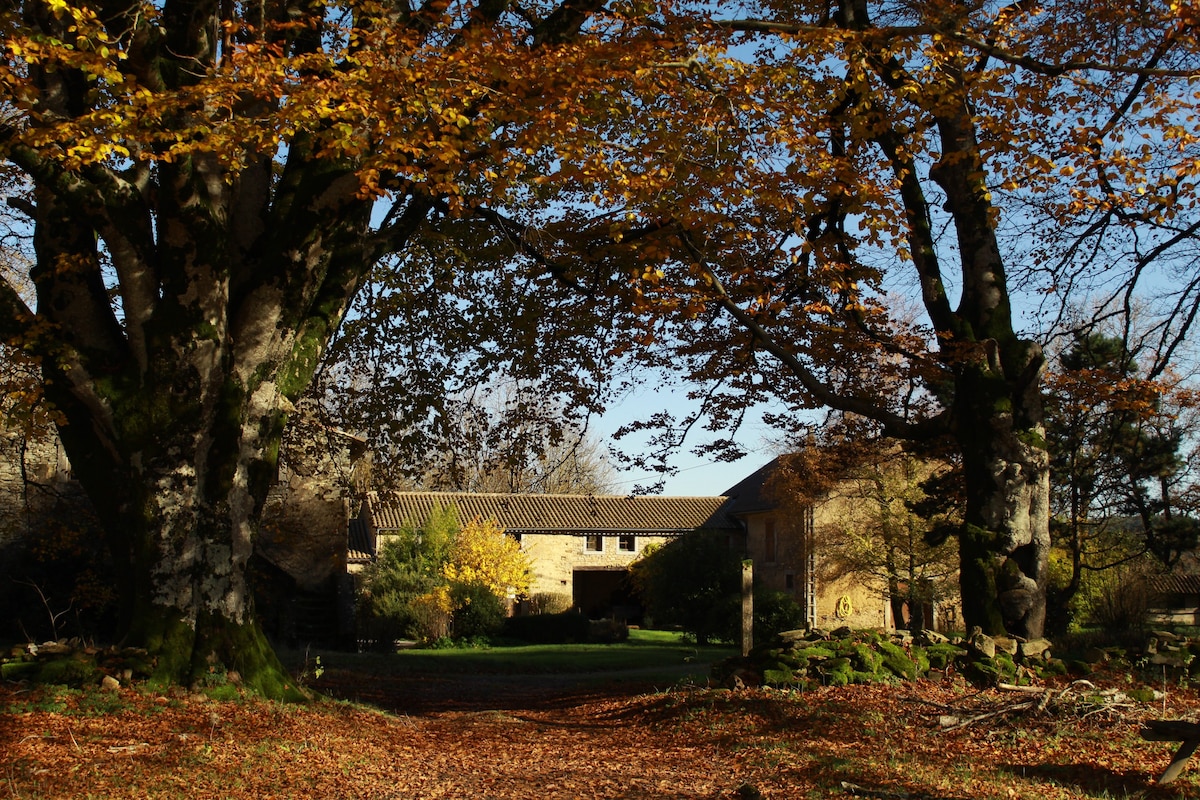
(1007,667)
(865,658)
(1052,667)
(896,661)
(920,658)
(836,671)
(942,656)
(867,678)
(72,672)
(778,677)
(981,672)
(811,654)
(18,670)
(838,679)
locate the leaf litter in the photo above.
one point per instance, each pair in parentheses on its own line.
(438,738)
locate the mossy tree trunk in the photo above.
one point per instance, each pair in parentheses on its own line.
(1004,542)
(174,418)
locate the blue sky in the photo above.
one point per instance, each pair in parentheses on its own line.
(696,476)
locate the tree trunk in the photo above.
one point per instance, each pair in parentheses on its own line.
(1004,542)
(1005,538)
(174,418)
(179,494)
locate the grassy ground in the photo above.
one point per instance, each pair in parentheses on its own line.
(645,650)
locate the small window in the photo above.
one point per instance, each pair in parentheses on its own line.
(789,581)
(595,544)
(626,543)
(771,543)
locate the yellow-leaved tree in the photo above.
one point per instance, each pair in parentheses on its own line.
(484,555)
(485,570)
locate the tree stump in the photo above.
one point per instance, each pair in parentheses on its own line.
(1174,730)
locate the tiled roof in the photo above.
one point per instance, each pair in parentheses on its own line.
(359,547)
(749,494)
(1175,584)
(556,512)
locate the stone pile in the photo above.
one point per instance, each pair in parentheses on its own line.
(70,662)
(809,658)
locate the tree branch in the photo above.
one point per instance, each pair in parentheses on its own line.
(893,424)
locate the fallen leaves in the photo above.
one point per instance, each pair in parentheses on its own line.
(570,742)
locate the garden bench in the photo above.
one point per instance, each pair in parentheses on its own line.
(1174,730)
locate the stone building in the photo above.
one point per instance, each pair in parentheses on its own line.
(580,546)
(782,540)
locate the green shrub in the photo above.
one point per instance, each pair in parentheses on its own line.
(607,631)
(391,590)
(568,627)
(478,612)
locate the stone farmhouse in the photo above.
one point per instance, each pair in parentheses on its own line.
(581,546)
(781,542)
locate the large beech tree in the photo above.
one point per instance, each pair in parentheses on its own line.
(206,186)
(762,198)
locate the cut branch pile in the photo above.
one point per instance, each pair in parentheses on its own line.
(1077,700)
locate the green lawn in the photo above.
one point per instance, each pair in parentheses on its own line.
(645,650)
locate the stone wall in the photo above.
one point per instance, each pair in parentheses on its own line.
(32,471)
(555,557)
(797,571)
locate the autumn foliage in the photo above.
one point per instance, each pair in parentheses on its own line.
(442,579)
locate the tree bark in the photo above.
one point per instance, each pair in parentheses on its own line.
(1004,543)
(996,407)
(174,416)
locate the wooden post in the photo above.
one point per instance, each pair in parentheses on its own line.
(747,606)
(1187,733)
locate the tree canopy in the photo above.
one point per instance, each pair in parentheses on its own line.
(546,189)
(764,198)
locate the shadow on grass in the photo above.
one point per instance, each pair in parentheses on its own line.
(1093,779)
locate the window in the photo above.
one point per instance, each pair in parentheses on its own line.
(771,543)
(789,581)
(626,543)
(516,536)
(595,543)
